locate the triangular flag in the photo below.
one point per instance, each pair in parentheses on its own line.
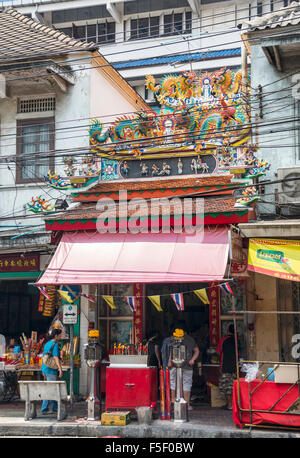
(131,301)
(156,302)
(66,296)
(43,291)
(227,288)
(178,299)
(201,293)
(110,301)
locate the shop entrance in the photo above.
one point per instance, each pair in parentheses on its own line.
(195,314)
(195,317)
(19,310)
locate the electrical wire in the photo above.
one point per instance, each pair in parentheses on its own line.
(201,27)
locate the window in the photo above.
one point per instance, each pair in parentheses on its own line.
(106,32)
(142,6)
(103,32)
(115,324)
(188,22)
(173,23)
(34,136)
(259,8)
(144,27)
(80,14)
(79,32)
(91,33)
(36,105)
(236,302)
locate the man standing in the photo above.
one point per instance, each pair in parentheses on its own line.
(187,369)
(226,350)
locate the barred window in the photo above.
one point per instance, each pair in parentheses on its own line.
(36,104)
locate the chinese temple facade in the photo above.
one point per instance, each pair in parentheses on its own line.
(151,236)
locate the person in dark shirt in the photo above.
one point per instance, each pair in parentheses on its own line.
(154,344)
(227,352)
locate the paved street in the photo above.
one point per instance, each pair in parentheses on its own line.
(204,423)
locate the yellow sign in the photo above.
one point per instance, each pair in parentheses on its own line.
(278,258)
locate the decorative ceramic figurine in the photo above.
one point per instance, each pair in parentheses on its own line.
(40,205)
(155,170)
(180,166)
(125,168)
(196,164)
(144,169)
(166,169)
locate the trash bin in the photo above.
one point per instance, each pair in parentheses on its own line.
(144,415)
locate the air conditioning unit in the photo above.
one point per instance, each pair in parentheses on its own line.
(289,187)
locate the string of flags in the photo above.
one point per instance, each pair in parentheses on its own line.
(70,296)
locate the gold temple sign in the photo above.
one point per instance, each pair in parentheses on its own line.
(18,263)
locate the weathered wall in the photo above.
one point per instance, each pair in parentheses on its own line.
(262,296)
(274,131)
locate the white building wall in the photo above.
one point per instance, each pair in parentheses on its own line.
(71,132)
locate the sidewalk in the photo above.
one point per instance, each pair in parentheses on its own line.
(203,423)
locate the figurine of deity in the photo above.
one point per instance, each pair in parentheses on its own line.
(155,170)
(144,169)
(69,162)
(180,166)
(166,169)
(125,169)
(196,164)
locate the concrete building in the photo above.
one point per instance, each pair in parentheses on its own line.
(46,104)
(152,36)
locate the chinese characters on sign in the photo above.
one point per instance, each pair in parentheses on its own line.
(214,312)
(138,315)
(240,269)
(18,263)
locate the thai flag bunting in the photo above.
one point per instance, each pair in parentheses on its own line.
(178,299)
(227,288)
(87,296)
(131,301)
(43,291)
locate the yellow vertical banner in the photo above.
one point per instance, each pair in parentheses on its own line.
(275,257)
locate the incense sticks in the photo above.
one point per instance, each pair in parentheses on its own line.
(131,349)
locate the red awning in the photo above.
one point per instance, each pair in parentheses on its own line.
(94,258)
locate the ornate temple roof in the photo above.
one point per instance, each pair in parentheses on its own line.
(156,187)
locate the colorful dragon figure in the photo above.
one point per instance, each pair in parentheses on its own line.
(250,195)
(175,86)
(40,205)
(56,181)
(227,82)
(207,111)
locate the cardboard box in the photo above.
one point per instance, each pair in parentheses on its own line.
(115,418)
(217,399)
(287,374)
